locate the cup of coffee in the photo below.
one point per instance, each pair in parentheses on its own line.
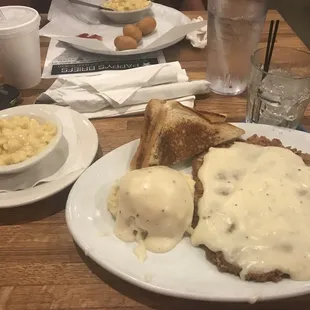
(20,60)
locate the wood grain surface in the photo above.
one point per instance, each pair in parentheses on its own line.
(40,265)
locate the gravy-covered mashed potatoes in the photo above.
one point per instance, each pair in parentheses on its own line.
(22,137)
(153,206)
(127,5)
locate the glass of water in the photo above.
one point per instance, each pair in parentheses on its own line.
(234,29)
(280,96)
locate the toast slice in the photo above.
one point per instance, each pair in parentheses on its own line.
(173,133)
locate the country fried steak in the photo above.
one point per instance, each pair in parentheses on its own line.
(217,258)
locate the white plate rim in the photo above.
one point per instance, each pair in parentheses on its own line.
(46,190)
(170,292)
(137,51)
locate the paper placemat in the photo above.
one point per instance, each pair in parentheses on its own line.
(64,60)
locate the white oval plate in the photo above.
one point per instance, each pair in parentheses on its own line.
(166,18)
(88,137)
(184,271)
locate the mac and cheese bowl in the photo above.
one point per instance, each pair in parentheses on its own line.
(129,11)
(27,135)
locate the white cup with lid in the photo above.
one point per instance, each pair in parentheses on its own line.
(20,59)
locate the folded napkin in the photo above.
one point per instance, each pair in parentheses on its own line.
(64,160)
(198,38)
(134,109)
(124,91)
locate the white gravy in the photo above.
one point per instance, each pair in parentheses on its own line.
(256,209)
(156,200)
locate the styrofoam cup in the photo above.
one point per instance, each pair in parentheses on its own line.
(20,60)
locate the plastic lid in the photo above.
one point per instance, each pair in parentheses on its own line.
(17,18)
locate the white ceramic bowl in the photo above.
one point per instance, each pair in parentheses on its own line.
(127,17)
(42,116)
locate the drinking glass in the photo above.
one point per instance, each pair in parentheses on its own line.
(234,29)
(280,96)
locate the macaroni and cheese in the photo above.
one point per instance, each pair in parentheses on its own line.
(22,137)
(127,5)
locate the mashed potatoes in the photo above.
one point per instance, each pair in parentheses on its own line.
(127,5)
(22,137)
(152,206)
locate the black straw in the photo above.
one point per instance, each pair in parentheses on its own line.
(272,35)
(272,43)
(269,51)
(268,45)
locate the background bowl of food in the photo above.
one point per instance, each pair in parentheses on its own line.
(27,135)
(126,11)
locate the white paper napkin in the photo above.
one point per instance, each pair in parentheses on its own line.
(121,89)
(135,109)
(198,38)
(163,73)
(93,93)
(86,101)
(64,160)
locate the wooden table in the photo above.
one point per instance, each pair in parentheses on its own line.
(40,265)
